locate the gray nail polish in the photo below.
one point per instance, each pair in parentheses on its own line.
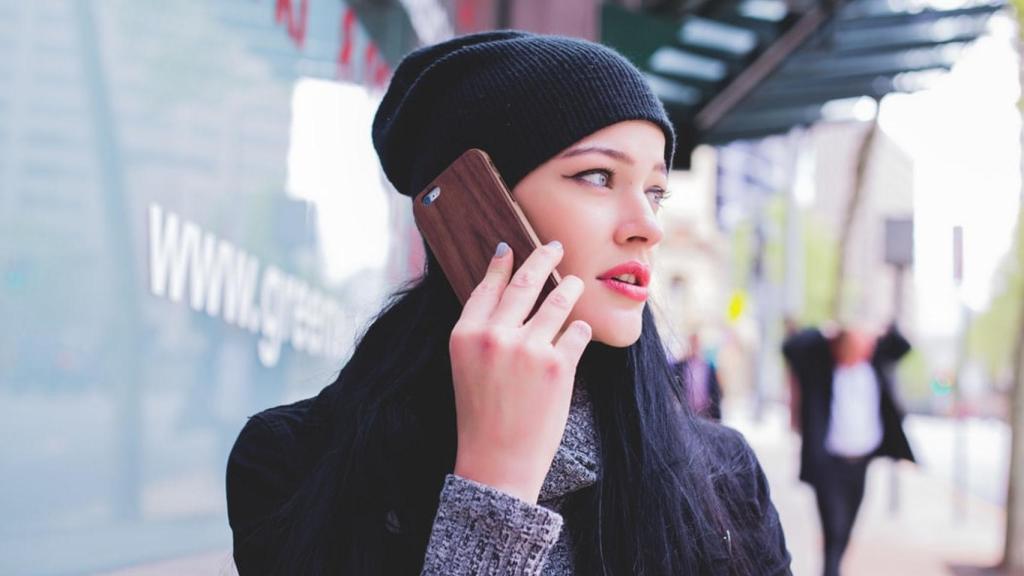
(502,250)
(555,244)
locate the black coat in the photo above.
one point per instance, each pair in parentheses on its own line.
(810,358)
(278,451)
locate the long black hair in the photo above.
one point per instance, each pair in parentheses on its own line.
(369,505)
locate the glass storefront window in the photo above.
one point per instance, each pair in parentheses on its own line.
(193,227)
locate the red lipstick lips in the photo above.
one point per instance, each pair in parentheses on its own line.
(629,279)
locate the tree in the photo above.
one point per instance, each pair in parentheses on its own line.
(1013,551)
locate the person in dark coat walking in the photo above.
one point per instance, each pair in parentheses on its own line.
(700,378)
(847,415)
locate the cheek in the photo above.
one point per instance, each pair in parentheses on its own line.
(574,261)
(582,228)
(548,214)
(612,324)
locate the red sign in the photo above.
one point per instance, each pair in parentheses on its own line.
(293,15)
(295,24)
(375,70)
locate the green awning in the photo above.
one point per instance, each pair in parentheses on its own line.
(743,69)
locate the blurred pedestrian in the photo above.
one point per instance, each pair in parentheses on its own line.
(700,377)
(476,439)
(848,416)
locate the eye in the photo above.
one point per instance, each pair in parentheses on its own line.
(658,195)
(597,177)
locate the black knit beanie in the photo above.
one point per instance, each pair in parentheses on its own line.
(520,97)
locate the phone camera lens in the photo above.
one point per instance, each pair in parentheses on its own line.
(431,196)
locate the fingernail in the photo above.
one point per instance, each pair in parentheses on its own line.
(502,250)
(555,244)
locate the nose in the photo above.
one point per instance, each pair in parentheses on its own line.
(638,222)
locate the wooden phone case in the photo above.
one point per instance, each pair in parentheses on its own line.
(466,220)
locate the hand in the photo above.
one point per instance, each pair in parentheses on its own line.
(513,379)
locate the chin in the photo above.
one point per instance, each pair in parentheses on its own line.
(617,334)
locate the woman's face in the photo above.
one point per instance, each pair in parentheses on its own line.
(600,198)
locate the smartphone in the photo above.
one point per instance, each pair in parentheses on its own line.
(463,215)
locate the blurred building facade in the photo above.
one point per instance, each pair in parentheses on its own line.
(193,227)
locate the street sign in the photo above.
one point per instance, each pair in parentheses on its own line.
(958,254)
(899,241)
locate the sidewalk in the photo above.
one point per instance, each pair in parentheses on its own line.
(922,537)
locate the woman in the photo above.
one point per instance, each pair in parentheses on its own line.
(472,441)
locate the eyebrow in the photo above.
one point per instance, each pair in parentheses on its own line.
(610,152)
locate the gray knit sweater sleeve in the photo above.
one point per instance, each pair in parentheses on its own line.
(479,530)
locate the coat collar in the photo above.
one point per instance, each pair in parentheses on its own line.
(577,461)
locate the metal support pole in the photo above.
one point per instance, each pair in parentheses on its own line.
(959,424)
(897,313)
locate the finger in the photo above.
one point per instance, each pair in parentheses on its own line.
(574,341)
(522,291)
(485,297)
(548,320)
